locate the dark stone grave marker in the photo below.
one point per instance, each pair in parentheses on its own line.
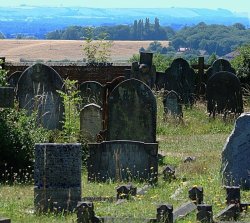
(37,90)
(6,97)
(181,79)
(235,166)
(13,78)
(92,92)
(224,94)
(132,112)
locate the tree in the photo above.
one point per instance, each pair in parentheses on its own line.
(2,36)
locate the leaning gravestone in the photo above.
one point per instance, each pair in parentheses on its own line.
(132,112)
(13,78)
(224,94)
(181,79)
(220,65)
(57,176)
(92,92)
(236,155)
(37,91)
(91,121)
(172,104)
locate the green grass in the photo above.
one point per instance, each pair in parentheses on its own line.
(197,135)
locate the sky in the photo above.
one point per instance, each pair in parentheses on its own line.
(232,5)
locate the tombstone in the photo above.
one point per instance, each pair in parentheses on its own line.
(224,94)
(144,70)
(92,92)
(6,97)
(123,160)
(132,112)
(91,121)
(37,91)
(181,79)
(172,105)
(220,65)
(57,176)
(160,80)
(235,166)
(13,78)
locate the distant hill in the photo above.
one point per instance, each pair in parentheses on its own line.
(37,21)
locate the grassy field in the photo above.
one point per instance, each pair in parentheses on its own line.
(58,50)
(197,136)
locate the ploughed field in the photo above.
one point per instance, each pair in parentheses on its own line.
(61,50)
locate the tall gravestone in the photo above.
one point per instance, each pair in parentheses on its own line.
(181,78)
(132,112)
(57,176)
(92,92)
(219,65)
(172,104)
(224,94)
(235,166)
(91,121)
(37,91)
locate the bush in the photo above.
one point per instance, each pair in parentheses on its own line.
(18,134)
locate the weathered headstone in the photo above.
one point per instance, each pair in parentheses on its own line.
(122,160)
(91,121)
(13,78)
(224,94)
(132,112)
(6,97)
(181,79)
(57,176)
(37,91)
(92,92)
(220,65)
(235,166)
(172,104)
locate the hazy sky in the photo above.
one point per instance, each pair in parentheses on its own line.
(233,5)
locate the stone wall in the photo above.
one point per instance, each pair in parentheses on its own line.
(78,71)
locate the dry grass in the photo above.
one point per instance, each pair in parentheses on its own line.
(57,50)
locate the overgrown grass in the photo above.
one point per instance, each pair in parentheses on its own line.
(197,136)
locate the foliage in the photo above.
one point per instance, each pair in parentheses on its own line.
(2,36)
(3,75)
(18,135)
(241,62)
(96,51)
(71,101)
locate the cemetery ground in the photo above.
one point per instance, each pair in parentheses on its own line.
(64,50)
(196,136)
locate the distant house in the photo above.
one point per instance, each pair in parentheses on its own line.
(231,55)
(183,49)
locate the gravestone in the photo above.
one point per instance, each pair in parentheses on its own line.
(123,160)
(6,97)
(160,80)
(57,176)
(91,121)
(172,105)
(92,92)
(13,78)
(235,165)
(181,79)
(37,91)
(224,94)
(144,70)
(132,112)
(220,65)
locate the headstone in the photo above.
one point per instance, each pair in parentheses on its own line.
(220,65)
(172,104)
(224,94)
(122,160)
(132,112)
(13,78)
(181,79)
(91,121)
(37,91)
(160,80)
(57,176)
(5,220)
(92,92)
(235,166)
(6,97)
